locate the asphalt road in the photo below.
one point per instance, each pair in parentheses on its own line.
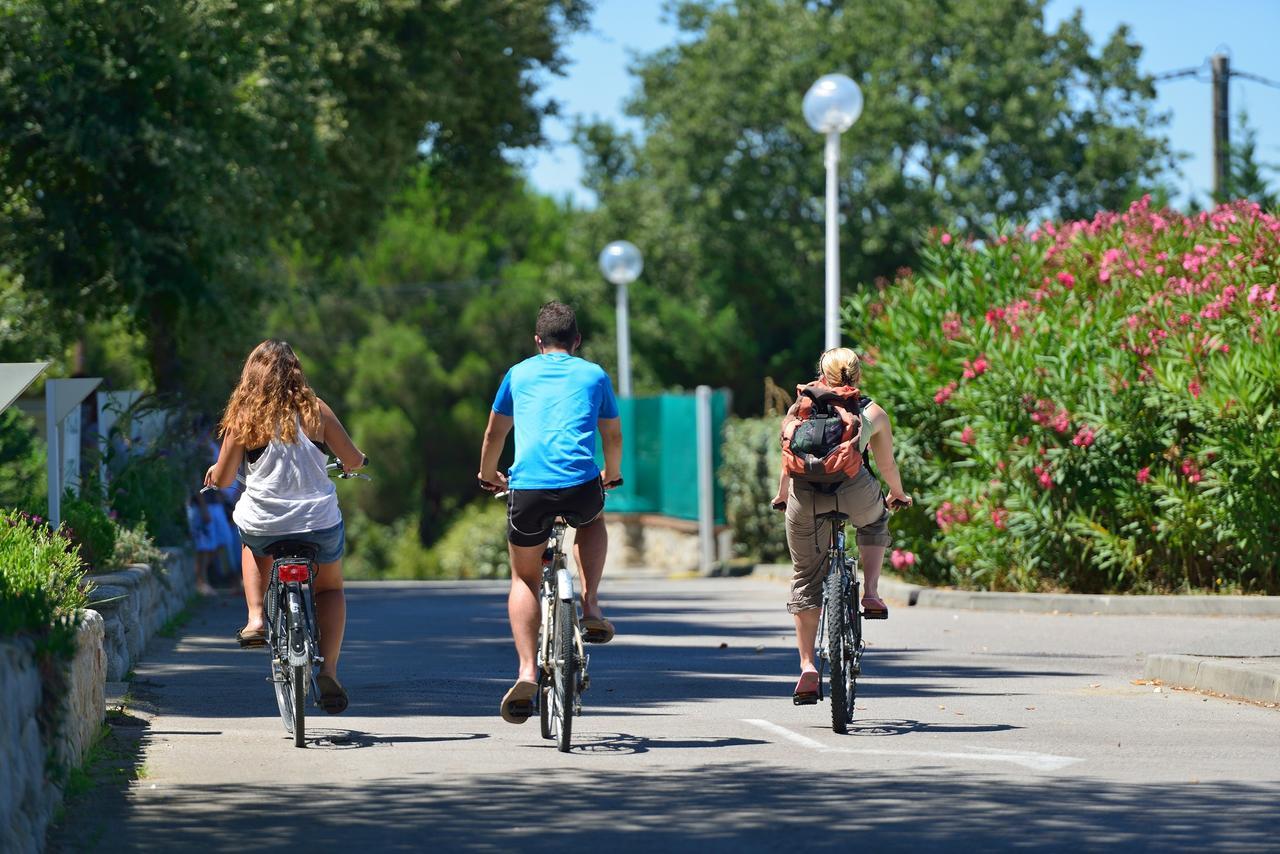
(985,730)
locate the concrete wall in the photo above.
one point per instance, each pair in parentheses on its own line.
(111,639)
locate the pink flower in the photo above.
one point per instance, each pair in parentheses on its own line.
(966,435)
(946,238)
(1084,437)
(1191,470)
(1000,518)
(944,394)
(1042,474)
(1144,474)
(1067,280)
(1194,388)
(902,559)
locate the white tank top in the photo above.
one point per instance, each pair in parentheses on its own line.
(287,491)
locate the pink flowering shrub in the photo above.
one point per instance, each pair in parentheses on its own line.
(1088,405)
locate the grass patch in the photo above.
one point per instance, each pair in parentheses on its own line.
(176,622)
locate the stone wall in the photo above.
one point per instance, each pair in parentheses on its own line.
(130,606)
(653,542)
(29,789)
(135,602)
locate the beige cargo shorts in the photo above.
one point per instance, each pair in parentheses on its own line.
(860,499)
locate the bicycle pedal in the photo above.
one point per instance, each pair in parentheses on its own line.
(805,699)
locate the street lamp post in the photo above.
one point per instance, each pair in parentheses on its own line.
(831,106)
(621,263)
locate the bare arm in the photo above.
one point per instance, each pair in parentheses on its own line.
(611,436)
(882,449)
(223,473)
(495,438)
(335,436)
(779,501)
(784,486)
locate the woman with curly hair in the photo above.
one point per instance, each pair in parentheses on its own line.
(283,433)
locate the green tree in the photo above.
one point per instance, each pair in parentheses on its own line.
(409,336)
(974,110)
(153,153)
(1246,178)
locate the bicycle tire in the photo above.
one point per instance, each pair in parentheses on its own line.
(299,673)
(299,706)
(544,706)
(564,675)
(280,680)
(836,607)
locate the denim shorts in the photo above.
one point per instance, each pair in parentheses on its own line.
(331,542)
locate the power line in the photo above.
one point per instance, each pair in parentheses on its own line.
(1256,79)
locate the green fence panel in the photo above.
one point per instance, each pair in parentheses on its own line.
(660,455)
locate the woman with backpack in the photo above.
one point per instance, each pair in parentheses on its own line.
(826,435)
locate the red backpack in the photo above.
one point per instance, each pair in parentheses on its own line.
(821,438)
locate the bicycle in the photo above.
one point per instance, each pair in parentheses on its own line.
(293,637)
(840,622)
(840,644)
(562,658)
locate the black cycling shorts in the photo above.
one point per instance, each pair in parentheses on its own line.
(532,512)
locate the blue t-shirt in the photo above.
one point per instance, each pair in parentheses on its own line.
(556,400)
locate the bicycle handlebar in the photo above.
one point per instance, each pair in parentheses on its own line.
(498,492)
(336,470)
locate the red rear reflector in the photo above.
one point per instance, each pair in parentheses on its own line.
(294,572)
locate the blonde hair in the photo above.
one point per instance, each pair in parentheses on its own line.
(840,366)
(270,399)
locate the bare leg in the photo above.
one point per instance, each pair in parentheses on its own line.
(255,571)
(872,559)
(806,635)
(523,606)
(203,561)
(331,614)
(590,545)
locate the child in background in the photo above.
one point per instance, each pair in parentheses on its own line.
(204,535)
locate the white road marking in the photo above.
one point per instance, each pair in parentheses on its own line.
(1025,758)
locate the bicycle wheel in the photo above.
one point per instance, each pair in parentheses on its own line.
(544,705)
(299,706)
(280,673)
(298,674)
(836,606)
(564,680)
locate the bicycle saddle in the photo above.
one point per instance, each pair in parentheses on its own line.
(292,549)
(834,515)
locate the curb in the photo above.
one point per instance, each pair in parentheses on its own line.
(1062,603)
(1245,678)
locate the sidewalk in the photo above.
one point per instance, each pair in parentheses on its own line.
(1256,679)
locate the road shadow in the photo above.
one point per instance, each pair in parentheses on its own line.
(441,650)
(744,807)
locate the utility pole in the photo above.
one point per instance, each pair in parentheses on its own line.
(1221,125)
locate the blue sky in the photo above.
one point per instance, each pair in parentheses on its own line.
(1174,34)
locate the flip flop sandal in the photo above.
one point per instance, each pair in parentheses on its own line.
(806,693)
(597,630)
(517,705)
(251,640)
(873,608)
(333,699)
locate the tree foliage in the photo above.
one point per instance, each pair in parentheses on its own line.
(974,110)
(152,153)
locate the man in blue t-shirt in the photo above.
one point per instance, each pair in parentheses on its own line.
(556,402)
